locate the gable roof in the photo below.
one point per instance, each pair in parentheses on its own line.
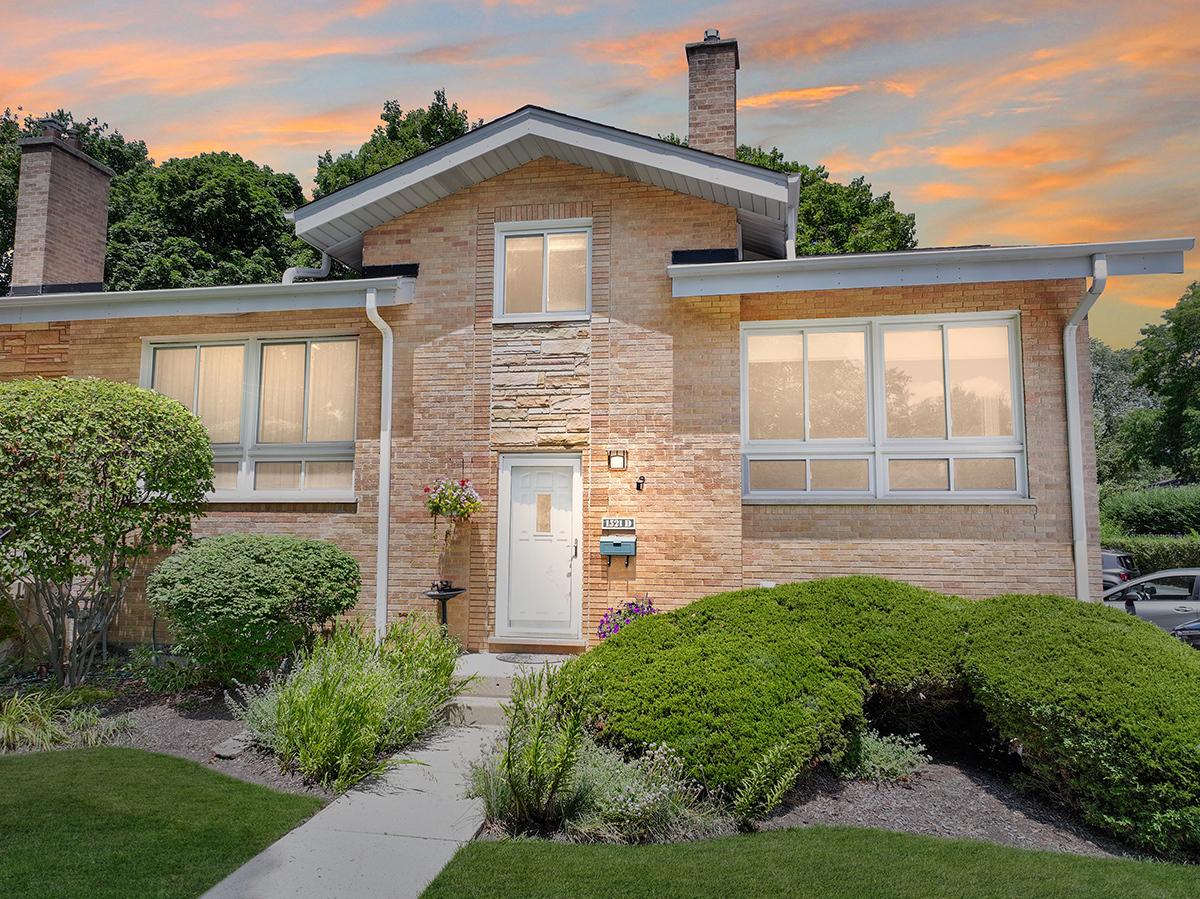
(765,200)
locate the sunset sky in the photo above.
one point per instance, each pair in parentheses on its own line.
(1001,123)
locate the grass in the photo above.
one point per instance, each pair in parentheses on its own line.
(830,862)
(128,824)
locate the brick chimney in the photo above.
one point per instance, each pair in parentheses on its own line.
(712,94)
(62,216)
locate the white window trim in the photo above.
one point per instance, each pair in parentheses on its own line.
(531,229)
(249,451)
(878,449)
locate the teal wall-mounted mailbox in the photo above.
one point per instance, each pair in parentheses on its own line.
(618,546)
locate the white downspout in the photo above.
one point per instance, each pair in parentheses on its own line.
(290,276)
(1075,426)
(385,467)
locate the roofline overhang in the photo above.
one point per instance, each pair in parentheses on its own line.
(952,265)
(232,300)
(336,223)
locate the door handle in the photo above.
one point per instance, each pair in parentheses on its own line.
(575,554)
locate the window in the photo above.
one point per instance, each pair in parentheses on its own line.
(896,407)
(280,412)
(543,271)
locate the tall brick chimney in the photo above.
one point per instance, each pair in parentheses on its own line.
(712,94)
(62,216)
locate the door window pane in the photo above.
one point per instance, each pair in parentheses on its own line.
(776,387)
(837,385)
(331,390)
(566,272)
(220,392)
(281,408)
(840,474)
(919,474)
(985,474)
(915,382)
(980,382)
(523,275)
(777,474)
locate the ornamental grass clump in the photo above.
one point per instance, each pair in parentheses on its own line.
(349,700)
(624,614)
(45,720)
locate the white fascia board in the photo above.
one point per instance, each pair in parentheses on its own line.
(923,267)
(233,300)
(545,126)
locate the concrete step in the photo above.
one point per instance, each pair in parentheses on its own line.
(491,686)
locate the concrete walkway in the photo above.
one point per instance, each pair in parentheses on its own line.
(392,834)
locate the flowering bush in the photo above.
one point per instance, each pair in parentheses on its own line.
(452,499)
(626,613)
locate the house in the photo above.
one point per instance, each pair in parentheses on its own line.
(612,337)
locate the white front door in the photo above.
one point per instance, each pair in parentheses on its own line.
(539,561)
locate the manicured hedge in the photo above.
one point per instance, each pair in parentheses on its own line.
(1152,554)
(1169,511)
(1106,709)
(904,639)
(721,681)
(239,603)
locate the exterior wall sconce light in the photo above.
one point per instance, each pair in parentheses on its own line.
(617,460)
(640,482)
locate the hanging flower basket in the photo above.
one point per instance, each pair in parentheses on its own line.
(452,500)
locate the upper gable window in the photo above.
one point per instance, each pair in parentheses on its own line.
(543,270)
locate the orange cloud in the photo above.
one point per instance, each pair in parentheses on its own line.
(807,96)
(937,191)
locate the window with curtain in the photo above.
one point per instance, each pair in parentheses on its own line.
(895,407)
(543,270)
(281,413)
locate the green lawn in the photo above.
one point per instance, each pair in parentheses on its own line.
(826,862)
(128,824)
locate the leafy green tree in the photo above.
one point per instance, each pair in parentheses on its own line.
(834,217)
(402,136)
(1126,419)
(206,220)
(93,476)
(1168,363)
(838,218)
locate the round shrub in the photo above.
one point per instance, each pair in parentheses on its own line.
(904,639)
(1106,709)
(722,681)
(240,603)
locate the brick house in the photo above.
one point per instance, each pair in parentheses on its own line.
(612,337)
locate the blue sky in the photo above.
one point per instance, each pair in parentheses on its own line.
(1013,123)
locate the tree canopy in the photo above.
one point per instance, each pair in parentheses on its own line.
(838,218)
(402,136)
(1168,363)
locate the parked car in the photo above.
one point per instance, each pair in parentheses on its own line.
(1116,568)
(1189,633)
(1166,598)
